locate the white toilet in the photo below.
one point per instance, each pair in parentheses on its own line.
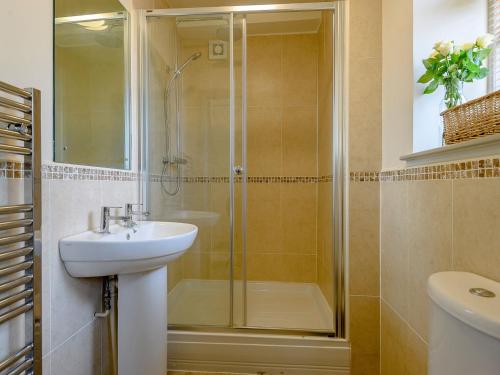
(464,324)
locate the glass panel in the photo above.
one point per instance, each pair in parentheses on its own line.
(91,84)
(289,257)
(188,143)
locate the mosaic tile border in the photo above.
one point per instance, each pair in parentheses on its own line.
(364,176)
(469,169)
(250,179)
(14,169)
(480,168)
(68,172)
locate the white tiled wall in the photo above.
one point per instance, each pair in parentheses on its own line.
(71,335)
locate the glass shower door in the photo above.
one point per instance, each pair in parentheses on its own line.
(239,141)
(284,197)
(188,137)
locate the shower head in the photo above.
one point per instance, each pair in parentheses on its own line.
(178,72)
(193,57)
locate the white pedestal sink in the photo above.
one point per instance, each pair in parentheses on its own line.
(138,256)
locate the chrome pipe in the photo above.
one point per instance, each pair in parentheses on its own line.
(10,300)
(15,268)
(11,254)
(6,363)
(16,312)
(9,285)
(15,149)
(9,89)
(35,185)
(12,134)
(7,240)
(11,119)
(12,104)
(26,365)
(16,209)
(15,224)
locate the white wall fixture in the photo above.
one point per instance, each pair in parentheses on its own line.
(464,335)
(138,256)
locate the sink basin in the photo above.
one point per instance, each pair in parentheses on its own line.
(147,246)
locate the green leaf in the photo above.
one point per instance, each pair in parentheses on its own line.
(427,77)
(483,53)
(471,66)
(483,72)
(428,63)
(431,87)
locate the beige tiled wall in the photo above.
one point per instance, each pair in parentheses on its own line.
(365,79)
(430,226)
(282,141)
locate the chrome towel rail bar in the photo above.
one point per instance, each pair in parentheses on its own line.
(16,209)
(15,268)
(27,364)
(16,312)
(12,104)
(7,240)
(11,119)
(15,224)
(5,302)
(15,135)
(15,149)
(9,285)
(16,357)
(13,90)
(20,250)
(16,253)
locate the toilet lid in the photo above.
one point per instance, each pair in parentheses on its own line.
(473,299)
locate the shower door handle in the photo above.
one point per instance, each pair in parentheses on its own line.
(238,170)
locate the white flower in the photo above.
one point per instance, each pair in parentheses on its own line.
(445,48)
(467,46)
(485,40)
(433,54)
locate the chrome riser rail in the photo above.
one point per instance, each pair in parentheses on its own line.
(20,229)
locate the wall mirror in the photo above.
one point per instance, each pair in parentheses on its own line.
(91,83)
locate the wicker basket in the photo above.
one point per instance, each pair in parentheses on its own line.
(473,119)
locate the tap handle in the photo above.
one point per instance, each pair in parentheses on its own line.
(129,209)
(105,217)
(107,208)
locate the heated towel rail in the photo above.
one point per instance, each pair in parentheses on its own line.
(20,228)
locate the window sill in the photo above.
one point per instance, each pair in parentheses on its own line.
(480,147)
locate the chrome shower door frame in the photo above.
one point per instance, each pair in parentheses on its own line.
(339,156)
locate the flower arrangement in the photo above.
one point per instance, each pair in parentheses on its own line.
(450,65)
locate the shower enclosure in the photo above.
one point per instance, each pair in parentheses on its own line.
(242,135)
